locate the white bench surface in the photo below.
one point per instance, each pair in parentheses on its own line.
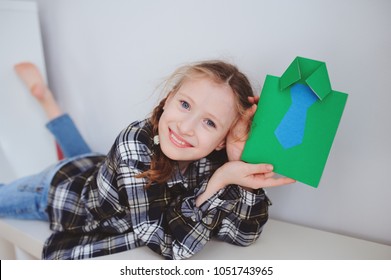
(279,240)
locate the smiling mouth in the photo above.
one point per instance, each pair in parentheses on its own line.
(178,141)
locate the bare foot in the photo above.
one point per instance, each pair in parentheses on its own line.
(33,79)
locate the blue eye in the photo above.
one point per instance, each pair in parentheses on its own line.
(185,105)
(210,123)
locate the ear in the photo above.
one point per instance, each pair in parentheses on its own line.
(220,146)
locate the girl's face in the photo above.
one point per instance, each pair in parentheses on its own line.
(196,120)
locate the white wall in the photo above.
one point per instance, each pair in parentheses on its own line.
(105,59)
(20,115)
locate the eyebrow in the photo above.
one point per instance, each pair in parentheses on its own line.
(215,119)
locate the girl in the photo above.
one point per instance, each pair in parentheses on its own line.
(170,182)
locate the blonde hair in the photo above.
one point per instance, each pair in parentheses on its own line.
(220,72)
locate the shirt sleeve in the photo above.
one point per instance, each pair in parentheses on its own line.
(244,224)
(232,215)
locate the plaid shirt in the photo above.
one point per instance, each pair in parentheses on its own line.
(97,206)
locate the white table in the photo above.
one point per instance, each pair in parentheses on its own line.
(280,240)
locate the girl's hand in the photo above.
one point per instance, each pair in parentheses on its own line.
(250,176)
(238,134)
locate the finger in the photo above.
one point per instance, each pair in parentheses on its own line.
(261,168)
(253,109)
(249,113)
(253,99)
(275,182)
(269,175)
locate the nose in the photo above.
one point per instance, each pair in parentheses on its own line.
(187,126)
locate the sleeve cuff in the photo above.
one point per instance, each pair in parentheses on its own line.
(211,211)
(252,198)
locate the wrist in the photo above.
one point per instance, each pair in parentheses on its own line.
(215,183)
(219,178)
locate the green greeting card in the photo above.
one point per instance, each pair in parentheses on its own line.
(296,121)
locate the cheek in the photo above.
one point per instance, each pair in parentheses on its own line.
(212,141)
(170,113)
(165,118)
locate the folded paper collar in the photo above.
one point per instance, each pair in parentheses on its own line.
(311,72)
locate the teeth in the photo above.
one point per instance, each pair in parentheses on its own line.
(177,140)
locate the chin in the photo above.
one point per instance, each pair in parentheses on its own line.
(177,154)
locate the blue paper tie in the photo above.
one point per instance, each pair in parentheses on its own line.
(290,131)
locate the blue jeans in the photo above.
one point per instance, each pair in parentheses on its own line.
(68,136)
(27,198)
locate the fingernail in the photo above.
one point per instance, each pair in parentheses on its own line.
(269,167)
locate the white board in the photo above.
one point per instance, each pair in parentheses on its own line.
(26,147)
